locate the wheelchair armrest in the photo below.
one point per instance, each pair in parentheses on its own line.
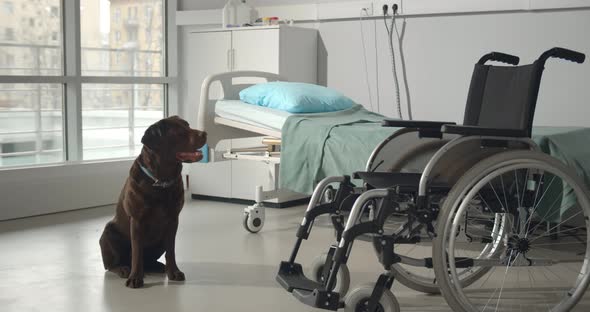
(415,124)
(474,130)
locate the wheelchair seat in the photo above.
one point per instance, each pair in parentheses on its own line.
(408,181)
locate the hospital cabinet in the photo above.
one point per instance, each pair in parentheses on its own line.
(285,50)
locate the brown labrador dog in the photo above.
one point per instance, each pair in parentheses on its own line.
(146,218)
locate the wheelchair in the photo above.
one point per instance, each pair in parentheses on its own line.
(474,211)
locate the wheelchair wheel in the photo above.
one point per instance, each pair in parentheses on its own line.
(540,254)
(342,279)
(423,279)
(358,298)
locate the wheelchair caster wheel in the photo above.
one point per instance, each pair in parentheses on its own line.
(342,278)
(253,219)
(358,299)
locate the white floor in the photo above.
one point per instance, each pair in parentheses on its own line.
(53,263)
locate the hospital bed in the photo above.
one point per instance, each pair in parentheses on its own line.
(224,117)
(228,118)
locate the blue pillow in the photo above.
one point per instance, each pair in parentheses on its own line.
(295,97)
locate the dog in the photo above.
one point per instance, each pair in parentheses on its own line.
(146,217)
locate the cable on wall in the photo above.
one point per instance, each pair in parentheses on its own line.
(390,30)
(400,39)
(377,65)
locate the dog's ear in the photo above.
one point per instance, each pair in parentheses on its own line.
(153,135)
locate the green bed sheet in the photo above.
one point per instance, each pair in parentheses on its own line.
(315,146)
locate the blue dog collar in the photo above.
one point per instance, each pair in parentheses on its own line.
(157,182)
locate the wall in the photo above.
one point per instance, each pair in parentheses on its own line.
(440,52)
(41,190)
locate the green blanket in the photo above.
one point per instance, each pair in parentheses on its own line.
(315,146)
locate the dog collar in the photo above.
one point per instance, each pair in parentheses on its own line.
(157,182)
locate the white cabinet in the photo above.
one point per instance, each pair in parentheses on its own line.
(288,51)
(258,49)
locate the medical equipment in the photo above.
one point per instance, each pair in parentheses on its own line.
(237,13)
(481,194)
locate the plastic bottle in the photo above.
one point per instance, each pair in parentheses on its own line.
(244,13)
(230,17)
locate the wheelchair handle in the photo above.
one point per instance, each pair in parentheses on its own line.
(499,57)
(566,54)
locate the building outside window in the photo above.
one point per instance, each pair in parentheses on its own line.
(34,126)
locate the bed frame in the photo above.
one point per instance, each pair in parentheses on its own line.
(219,129)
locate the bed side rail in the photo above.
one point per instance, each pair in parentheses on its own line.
(206,110)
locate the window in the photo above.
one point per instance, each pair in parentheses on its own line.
(9,33)
(119,89)
(31,114)
(8,8)
(31,124)
(9,60)
(148,12)
(54,11)
(114,116)
(124,39)
(132,36)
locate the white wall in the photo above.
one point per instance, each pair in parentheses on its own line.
(440,52)
(42,190)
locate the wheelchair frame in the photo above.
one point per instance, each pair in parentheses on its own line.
(481,142)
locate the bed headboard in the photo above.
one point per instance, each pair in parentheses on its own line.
(231,90)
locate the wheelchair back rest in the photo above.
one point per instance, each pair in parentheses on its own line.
(503,97)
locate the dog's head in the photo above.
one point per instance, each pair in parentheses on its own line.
(173,138)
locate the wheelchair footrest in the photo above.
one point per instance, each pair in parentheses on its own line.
(319,298)
(291,277)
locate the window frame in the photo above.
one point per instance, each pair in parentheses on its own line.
(72,79)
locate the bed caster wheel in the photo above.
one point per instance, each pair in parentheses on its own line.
(342,278)
(253,219)
(358,299)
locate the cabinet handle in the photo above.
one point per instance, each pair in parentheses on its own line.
(228,59)
(233,59)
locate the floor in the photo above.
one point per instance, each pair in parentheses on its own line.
(53,263)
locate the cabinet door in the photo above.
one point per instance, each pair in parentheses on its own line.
(206,54)
(256,50)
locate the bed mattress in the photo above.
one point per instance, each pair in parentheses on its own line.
(259,116)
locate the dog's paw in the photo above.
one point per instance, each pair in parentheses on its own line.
(176,275)
(134,282)
(122,271)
